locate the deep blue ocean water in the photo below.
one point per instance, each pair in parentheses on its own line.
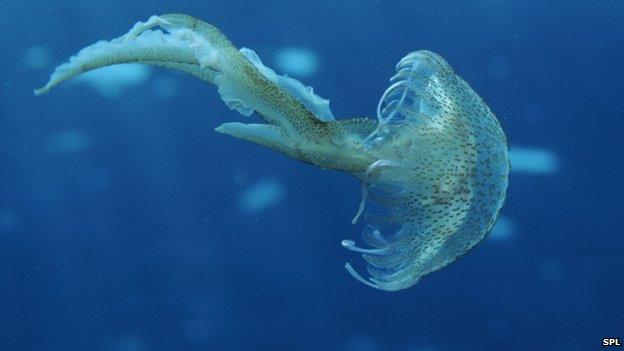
(128,224)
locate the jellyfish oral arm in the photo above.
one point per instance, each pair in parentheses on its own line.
(299,122)
(139,45)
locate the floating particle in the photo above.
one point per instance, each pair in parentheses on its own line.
(503,230)
(533,160)
(297,62)
(261,196)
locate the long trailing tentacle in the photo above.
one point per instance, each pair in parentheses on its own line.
(139,45)
(187,44)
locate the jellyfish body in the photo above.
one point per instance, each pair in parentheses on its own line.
(433,165)
(442,175)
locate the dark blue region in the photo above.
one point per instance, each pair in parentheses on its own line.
(130,236)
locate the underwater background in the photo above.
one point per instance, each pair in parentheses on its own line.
(128,224)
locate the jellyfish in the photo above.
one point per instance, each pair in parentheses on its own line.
(433,164)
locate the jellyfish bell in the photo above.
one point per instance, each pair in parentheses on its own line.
(446,170)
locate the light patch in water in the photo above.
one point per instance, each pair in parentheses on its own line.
(36,57)
(112,80)
(503,230)
(261,195)
(69,141)
(297,62)
(533,160)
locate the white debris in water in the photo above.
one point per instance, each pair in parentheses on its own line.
(9,220)
(112,80)
(69,141)
(297,62)
(36,57)
(261,196)
(503,230)
(533,160)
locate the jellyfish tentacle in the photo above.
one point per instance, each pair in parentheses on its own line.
(350,245)
(361,279)
(192,46)
(187,44)
(262,134)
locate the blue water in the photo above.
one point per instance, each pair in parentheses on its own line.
(127,224)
